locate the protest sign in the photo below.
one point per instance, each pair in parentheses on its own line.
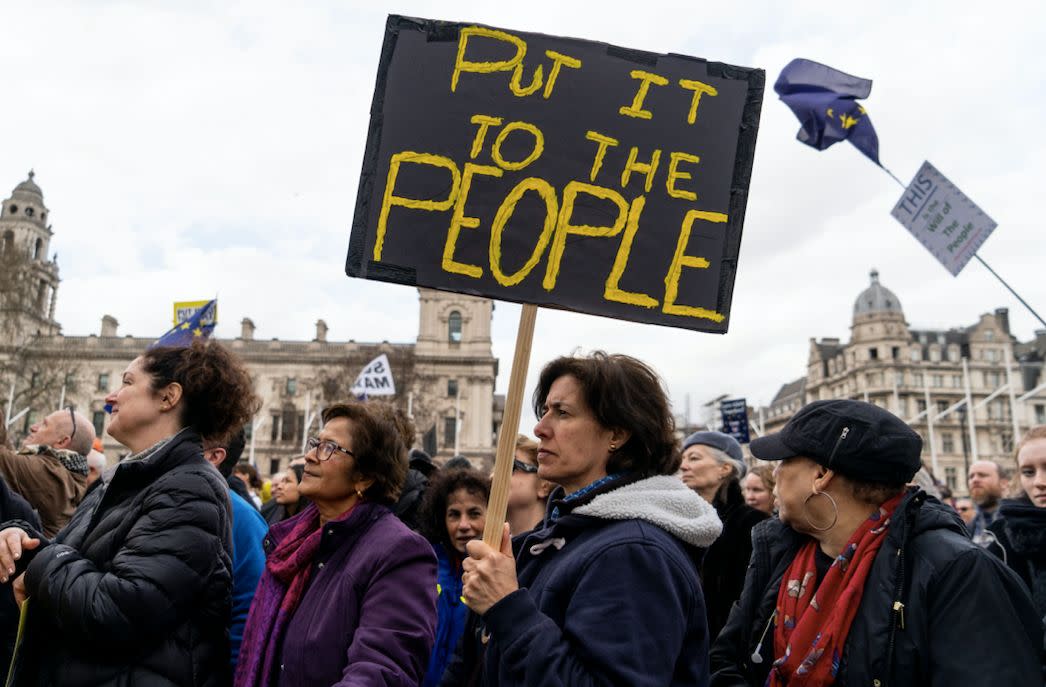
(942,218)
(184,310)
(557,172)
(735,419)
(375,379)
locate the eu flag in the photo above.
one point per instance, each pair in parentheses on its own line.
(187,331)
(825,101)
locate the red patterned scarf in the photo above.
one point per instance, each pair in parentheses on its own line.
(812,626)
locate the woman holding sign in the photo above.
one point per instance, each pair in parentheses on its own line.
(605,591)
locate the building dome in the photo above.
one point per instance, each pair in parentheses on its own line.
(876,299)
(29,187)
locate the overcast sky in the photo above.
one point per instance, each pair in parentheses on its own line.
(193,148)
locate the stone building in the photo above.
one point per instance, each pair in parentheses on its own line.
(445,379)
(925,377)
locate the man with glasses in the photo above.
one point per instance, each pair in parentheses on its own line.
(50,471)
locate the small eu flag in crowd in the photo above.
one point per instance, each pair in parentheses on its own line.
(198,326)
(825,101)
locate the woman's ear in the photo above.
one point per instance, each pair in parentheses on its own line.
(363,484)
(170,395)
(619,437)
(823,478)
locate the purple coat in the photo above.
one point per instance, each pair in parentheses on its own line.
(368,616)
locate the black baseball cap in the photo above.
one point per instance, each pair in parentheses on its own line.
(859,440)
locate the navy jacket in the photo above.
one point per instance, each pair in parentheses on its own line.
(948,586)
(609,593)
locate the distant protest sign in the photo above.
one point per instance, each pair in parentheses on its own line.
(735,419)
(945,221)
(557,172)
(375,379)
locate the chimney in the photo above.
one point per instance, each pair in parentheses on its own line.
(1002,316)
(247,329)
(109,325)
(321,331)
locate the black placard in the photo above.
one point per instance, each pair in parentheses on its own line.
(484,176)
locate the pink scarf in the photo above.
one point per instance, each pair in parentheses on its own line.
(280,590)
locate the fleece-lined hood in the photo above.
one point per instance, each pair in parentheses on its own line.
(662,501)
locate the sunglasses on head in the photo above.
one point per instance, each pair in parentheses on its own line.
(525,467)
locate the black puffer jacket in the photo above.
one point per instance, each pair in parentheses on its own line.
(136,589)
(949,586)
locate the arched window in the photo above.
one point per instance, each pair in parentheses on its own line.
(37,248)
(454,327)
(9,240)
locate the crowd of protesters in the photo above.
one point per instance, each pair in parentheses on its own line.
(830,556)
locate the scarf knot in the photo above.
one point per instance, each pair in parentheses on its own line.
(815,620)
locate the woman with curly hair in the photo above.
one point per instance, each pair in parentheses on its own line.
(136,588)
(453,513)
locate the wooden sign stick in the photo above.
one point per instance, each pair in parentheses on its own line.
(497,506)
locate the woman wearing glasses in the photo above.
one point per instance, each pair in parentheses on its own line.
(347,596)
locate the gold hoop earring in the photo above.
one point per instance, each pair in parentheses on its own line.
(835,511)
(613,447)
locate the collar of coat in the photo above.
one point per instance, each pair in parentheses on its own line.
(70,460)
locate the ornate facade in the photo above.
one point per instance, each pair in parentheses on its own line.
(445,380)
(924,376)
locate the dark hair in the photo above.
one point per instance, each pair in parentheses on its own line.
(623,393)
(875,493)
(458,463)
(246,468)
(233,450)
(432,518)
(377,448)
(398,418)
(217,393)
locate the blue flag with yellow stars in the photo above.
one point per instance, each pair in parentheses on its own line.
(187,331)
(825,101)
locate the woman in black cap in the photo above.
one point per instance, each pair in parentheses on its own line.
(713,466)
(863,582)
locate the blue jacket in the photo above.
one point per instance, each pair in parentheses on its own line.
(248,561)
(450,614)
(609,593)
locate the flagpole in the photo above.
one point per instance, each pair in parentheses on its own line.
(981,260)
